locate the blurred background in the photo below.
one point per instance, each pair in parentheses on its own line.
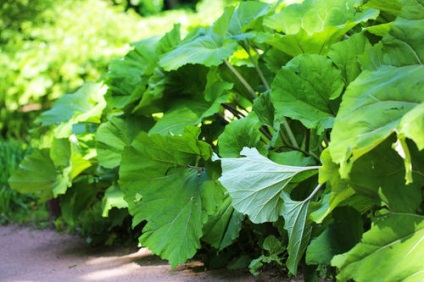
(49,48)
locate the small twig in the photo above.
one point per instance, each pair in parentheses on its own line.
(242,80)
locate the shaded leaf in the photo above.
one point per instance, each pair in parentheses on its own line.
(37,174)
(113,198)
(340,236)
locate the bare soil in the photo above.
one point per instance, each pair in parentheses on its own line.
(30,255)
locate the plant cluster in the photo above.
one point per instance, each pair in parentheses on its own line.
(291,128)
(48,48)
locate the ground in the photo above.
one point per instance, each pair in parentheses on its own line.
(31,255)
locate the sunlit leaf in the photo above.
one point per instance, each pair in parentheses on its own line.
(255,184)
(390,238)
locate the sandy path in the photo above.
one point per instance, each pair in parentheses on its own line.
(28,255)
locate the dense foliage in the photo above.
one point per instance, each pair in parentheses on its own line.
(283,133)
(48,48)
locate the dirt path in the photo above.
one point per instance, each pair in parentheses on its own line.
(28,255)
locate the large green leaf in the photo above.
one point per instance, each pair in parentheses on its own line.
(209,49)
(183,111)
(239,134)
(313,26)
(255,184)
(345,55)
(126,74)
(113,135)
(304,88)
(403,45)
(245,17)
(173,209)
(390,251)
(295,215)
(162,183)
(372,108)
(85,105)
(37,174)
(223,226)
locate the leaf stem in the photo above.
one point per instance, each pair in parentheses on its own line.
(290,133)
(313,192)
(258,70)
(264,130)
(307,139)
(242,80)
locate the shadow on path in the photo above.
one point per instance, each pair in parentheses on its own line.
(45,255)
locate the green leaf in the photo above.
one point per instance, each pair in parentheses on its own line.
(340,236)
(394,243)
(239,134)
(60,152)
(77,200)
(411,126)
(37,174)
(392,7)
(126,74)
(209,49)
(264,108)
(113,198)
(299,231)
(345,55)
(304,88)
(390,92)
(245,16)
(173,210)
(223,226)
(274,249)
(402,46)
(162,185)
(85,105)
(255,184)
(183,111)
(113,135)
(313,26)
